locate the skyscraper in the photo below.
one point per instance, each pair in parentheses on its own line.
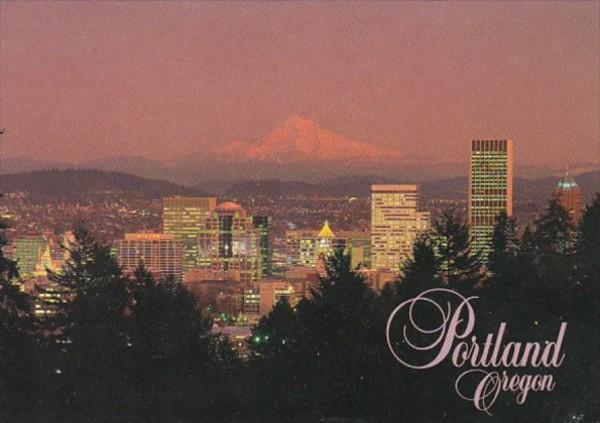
(309,247)
(395,223)
(228,241)
(161,254)
(28,252)
(490,189)
(569,195)
(263,225)
(184,217)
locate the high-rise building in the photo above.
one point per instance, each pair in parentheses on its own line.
(310,248)
(395,223)
(359,246)
(490,189)
(161,254)
(279,262)
(184,217)
(264,226)
(229,241)
(569,196)
(47,295)
(28,252)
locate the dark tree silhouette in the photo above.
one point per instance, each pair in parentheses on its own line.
(460,268)
(90,335)
(171,348)
(17,341)
(421,271)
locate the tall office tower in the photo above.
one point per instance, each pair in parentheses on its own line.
(161,254)
(309,248)
(228,241)
(395,223)
(490,189)
(184,217)
(358,244)
(569,195)
(264,227)
(28,251)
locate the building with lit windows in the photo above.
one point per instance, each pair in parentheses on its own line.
(395,223)
(264,226)
(183,217)
(274,290)
(490,189)
(28,252)
(569,196)
(229,241)
(251,304)
(310,248)
(359,245)
(161,254)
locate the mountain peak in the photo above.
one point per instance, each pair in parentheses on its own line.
(299,139)
(298,120)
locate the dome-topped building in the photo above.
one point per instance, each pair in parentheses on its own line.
(229,241)
(567,183)
(229,208)
(569,195)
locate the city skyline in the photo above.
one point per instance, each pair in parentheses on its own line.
(423,77)
(299,211)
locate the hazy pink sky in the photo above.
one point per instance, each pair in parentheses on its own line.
(81,80)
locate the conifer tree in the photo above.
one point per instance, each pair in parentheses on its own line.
(504,264)
(460,268)
(18,345)
(90,334)
(505,245)
(587,304)
(171,348)
(554,233)
(421,271)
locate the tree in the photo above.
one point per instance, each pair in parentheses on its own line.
(334,345)
(504,262)
(587,304)
(460,268)
(421,271)
(90,335)
(171,348)
(588,249)
(505,246)
(17,341)
(276,333)
(551,250)
(554,233)
(277,349)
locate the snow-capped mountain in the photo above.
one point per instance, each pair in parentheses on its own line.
(299,140)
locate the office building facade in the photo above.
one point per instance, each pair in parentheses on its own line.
(184,217)
(161,254)
(264,227)
(229,241)
(490,189)
(569,196)
(395,223)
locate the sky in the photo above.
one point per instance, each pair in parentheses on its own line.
(84,80)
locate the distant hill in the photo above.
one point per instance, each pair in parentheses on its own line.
(535,190)
(23,164)
(275,188)
(74,182)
